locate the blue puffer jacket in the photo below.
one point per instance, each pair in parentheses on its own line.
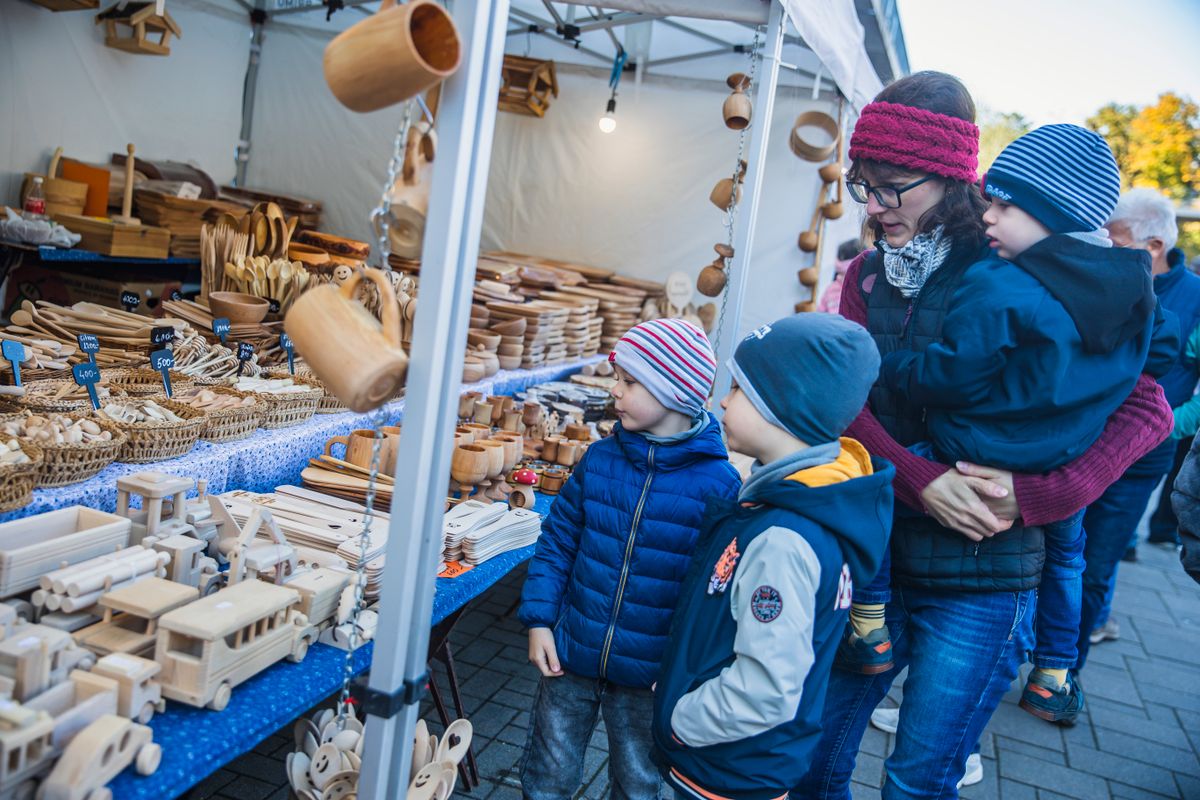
(615,549)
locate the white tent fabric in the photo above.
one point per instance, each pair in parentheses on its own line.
(830,29)
(62,86)
(635,200)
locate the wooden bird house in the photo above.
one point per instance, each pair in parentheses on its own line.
(68,5)
(527,85)
(131,26)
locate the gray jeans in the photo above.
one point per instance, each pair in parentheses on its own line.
(564,714)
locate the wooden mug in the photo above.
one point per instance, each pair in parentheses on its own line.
(397,53)
(359,446)
(466,404)
(550,447)
(483,412)
(359,360)
(568,453)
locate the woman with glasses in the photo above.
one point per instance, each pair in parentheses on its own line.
(966,545)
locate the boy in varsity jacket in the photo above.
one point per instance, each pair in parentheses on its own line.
(738,703)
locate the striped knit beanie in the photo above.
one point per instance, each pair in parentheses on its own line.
(672,359)
(1064,176)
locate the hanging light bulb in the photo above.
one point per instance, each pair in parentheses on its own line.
(608,123)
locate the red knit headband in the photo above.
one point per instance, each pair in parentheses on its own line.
(917,139)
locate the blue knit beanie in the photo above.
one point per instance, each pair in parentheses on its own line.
(1064,176)
(808,374)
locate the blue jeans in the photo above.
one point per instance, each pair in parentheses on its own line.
(565,711)
(1109,522)
(963,651)
(1060,595)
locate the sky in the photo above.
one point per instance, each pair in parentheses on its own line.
(1058,60)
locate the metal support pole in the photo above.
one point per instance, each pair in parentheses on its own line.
(466,122)
(258,19)
(760,133)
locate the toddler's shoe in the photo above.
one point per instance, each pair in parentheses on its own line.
(866,655)
(1044,699)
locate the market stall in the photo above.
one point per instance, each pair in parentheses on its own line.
(610,217)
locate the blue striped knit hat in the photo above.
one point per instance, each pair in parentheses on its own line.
(672,359)
(1064,176)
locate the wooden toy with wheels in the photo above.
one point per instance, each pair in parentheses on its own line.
(96,755)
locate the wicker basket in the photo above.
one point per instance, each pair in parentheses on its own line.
(146,382)
(230,424)
(282,410)
(10,410)
(43,404)
(64,464)
(158,441)
(17,480)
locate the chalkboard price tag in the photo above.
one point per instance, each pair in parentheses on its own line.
(14,352)
(221,327)
(87,375)
(162,335)
(245,351)
(163,360)
(285,342)
(175,295)
(130,301)
(273,306)
(88,343)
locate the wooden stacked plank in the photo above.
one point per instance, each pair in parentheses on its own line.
(182,217)
(545,336)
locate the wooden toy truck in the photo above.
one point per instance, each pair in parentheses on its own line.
(131,614)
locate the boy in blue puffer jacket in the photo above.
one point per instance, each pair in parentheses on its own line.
(613,552)
(738,709)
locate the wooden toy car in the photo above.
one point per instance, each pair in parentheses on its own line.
(215,643)
(130,623)
(138,694)
(96,755)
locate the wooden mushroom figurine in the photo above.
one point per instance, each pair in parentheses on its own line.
(522,489)
(737,107)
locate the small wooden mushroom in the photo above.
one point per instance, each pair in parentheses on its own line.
(522,489)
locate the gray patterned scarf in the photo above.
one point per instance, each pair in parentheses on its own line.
(908,267)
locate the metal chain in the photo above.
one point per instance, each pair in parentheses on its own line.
(381,214)
(731,212)
(379,219)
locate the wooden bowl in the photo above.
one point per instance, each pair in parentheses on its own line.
(238,307)
(489,341)
(512,327)
(307,254)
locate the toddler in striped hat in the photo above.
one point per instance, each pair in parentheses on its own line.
(611,561)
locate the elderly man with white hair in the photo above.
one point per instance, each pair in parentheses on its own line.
(1143,219)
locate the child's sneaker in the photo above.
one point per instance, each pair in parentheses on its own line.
(974,771)
(1044,699)
(866,655)
(1110,631)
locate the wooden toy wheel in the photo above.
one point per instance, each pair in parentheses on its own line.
(103,793)
(221,698)
(148,759)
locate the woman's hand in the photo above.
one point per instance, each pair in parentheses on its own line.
(955,501)
(1004,505)
(542,652)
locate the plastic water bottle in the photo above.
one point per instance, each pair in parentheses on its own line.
(35,202)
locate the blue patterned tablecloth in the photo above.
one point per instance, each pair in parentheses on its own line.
(197,742)
(267,458)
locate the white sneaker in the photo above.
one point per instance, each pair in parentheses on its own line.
(974,772)
(886,719)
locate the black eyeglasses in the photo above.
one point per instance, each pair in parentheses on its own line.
(886,196)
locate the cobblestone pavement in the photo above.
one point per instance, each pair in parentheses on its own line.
(1140,737)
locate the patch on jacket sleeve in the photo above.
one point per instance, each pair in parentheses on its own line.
(766,604)
(723,571)
(845,592)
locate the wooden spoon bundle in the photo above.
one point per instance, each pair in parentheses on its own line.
(274,279)
(124,337)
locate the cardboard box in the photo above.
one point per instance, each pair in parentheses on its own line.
(67,286)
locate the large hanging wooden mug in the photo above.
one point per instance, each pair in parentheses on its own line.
(396,54)
(357,359)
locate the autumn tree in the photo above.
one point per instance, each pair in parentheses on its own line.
(996,133)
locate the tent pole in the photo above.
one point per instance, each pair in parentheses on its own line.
(258,19)
(466,123)
(760,133)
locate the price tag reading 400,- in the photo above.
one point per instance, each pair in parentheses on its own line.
(245,351)
(162,335)
(163,360)
(130,300)
(87,375)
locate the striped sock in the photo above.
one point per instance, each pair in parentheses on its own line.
(1058,675)
(866,617)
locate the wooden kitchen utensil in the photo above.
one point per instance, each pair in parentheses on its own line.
(126,216)
(392,56)
(357,358)
(737,106)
